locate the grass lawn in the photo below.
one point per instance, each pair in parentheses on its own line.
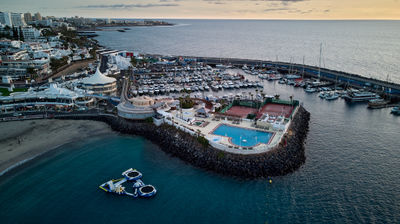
(5,92)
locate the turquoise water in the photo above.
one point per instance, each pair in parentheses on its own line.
(64,188)
(350,176)
(242,136)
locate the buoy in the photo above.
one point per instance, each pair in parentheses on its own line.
(270,181)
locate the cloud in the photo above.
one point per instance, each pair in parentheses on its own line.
(277,9)
(128,6)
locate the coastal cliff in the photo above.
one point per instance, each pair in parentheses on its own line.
(285,158)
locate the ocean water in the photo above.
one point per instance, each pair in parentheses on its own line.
(367,48)
(350,176)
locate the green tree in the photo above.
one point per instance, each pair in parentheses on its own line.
(57,63)
(133,61)
(93,52)
(186,102)
(15,33)
(21,34)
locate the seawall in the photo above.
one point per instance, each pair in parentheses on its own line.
(281,160)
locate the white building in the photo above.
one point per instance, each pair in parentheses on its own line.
(17,19)
(47,22)
(30,33)
(139,108)
(12,19)
(37,16)
(5,18)
(52,97)
(18,68)
(10,43)
(100,84)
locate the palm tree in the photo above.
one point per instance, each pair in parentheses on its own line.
(262,94)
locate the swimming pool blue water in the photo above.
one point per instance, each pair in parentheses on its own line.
(242,136)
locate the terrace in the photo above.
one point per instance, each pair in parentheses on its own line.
(232,131)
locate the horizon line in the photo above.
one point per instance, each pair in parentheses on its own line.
(283,19)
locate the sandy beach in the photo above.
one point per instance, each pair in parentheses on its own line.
(21,141)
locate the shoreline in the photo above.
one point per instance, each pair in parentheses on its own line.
(116,26)
(283,159)
(24,141)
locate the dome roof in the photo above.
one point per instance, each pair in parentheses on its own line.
(143,101)
(98,78)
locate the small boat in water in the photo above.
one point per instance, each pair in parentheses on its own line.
(332,96)
(377,103)
(310,90)
(360,96)
(395,111)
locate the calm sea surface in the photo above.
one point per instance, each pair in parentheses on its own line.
(368,48)
(350,175)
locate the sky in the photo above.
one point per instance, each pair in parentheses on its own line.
(211,9)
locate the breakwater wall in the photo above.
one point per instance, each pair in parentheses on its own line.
(288,156)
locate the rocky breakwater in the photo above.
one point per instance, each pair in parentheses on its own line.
(285,158)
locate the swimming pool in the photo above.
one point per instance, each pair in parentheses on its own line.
(243,136)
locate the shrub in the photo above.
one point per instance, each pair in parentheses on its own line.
(220,155)
(251,116)
(149,120)
(203,141)
(186,102)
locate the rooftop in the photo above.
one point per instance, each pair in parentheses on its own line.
(98,78)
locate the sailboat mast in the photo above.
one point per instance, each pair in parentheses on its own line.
(320,55)
(303,66)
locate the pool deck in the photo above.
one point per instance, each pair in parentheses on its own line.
(223,142)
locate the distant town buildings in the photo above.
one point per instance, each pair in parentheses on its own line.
(29,44)
(12,19)
(5,18)
(28,17)
(30,33)
(17,19)
(37,16)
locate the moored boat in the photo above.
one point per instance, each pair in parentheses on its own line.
(332,96)
(395,110)
(360,96)
(377,103)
